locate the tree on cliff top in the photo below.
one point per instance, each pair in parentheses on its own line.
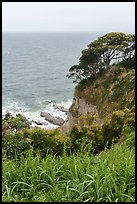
(112,47)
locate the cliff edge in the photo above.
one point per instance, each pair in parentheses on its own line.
(112,90)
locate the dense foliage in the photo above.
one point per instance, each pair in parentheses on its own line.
(86,135)
(110,48)
(113,90)
(92,162)
(108,177)
(44,165)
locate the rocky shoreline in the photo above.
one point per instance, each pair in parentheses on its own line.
(55,120)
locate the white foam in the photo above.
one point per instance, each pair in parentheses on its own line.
(15,107)
(66,104)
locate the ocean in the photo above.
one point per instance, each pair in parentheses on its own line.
(34,69)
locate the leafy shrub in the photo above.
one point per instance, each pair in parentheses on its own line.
(112,128)
(50,141)
(17,137)
(17,123)
(14,141)
(130,117)
(86,135)
(15,144)
(41,139)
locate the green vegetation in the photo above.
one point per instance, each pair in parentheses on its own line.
(92,162)
(90,136)
(19,138)
(113,90)
(86,135)
(108,177)
(100,53)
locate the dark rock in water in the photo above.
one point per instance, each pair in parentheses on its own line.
(54,120)
(61,108)
(44,114)
(40,122)
(47,116)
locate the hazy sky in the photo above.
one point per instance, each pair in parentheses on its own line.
(68,16)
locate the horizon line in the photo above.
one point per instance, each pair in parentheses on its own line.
(66,31)
(51,31)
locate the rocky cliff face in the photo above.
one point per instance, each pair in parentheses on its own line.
(113,90)
(79,107)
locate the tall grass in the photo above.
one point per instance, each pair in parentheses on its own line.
(107,177)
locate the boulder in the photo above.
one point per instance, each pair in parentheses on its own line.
(61,108)
(52,119)
(58,121)
(44,114)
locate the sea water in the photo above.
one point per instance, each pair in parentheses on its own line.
(34,69)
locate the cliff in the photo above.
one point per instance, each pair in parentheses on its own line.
(112,90)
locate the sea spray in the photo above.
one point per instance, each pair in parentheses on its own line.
(16,107)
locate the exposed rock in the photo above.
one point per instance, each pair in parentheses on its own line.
(102,96)
(40,122)
(58,121)
(54,120)
(79,107)
(61,108)
(44,114)
(70,120)
(47,116)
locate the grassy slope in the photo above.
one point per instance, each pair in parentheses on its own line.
(112,90)
(106,177)
(83,177)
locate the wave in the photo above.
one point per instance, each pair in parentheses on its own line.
(32,114)
(14,107)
